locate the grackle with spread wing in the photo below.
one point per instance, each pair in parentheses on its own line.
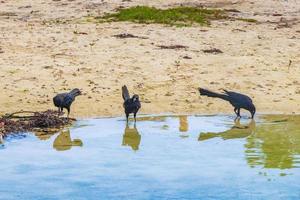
(237,100)
(65,100)
(131,105)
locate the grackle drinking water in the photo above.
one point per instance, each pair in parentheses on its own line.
(237,100)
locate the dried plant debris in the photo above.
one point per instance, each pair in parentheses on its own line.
(172,46)
(24,121)
(187,57)
(8,14)
(213,51)
(232,10)
(286,23)
(128,35)
(79,33)
(238,30)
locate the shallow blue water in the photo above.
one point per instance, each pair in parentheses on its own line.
(186,157)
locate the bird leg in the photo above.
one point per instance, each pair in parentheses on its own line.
(237,112)
(237,120)
(60,111)
(68,112)
(134,117)
(127,116)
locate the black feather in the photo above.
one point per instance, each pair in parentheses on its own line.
(205,92)
(125,93)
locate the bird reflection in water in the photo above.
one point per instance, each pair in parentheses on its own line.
(63,141)
(183,124)
(131,137)
(236,131)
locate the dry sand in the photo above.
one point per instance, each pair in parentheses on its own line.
(46,48)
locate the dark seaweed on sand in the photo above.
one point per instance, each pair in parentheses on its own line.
(25,121)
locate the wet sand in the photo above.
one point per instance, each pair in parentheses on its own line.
(48,47)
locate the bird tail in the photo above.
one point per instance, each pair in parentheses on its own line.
(125,93)
(204,92)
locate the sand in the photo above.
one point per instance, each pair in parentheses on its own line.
(47,47)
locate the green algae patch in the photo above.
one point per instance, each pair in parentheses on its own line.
(179,16)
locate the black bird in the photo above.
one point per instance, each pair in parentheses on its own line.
(131,105)
(65,100)
(237,100)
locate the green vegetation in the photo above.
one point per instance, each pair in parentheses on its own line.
(180,16)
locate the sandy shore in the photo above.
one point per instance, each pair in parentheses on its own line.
(46,48)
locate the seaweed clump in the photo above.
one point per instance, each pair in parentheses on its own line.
(26,121)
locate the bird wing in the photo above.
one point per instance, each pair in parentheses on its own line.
(59,99)
(68,100)
(237,95)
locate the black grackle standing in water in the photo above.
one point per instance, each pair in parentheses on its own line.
(131,105)
(237,100)
(65,100)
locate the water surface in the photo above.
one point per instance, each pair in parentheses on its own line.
(162,157)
